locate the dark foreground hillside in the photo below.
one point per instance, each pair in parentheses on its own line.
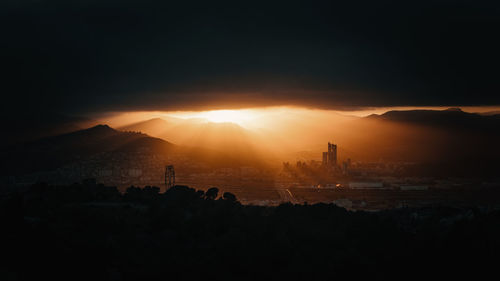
(92,232)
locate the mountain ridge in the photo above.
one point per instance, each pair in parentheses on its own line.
(448,119)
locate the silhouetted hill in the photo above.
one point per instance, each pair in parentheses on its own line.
(449,119)
(490,113)
(99,138)
(52,152)
(112,156)
(450,140)
(154,124)
(227,138)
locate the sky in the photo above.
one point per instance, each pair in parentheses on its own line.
(110,55)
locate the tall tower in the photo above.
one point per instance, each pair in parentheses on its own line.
(169,176)
(334,155)
(329,155)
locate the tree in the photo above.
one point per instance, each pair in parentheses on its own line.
(212,193)
(200,193)
(229,196)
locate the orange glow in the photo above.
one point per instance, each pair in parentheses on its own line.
(263,117)
(284,133)
(242,117)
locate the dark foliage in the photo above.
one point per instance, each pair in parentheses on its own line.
(229,196)
(212,193)
(92,232)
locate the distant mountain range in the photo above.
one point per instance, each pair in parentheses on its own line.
(411,135)
(100,142)
(490,113)
(449,119)
(229,138)
(458,141)
(52,152)
(451,139)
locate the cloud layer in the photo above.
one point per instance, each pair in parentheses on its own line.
(155,55)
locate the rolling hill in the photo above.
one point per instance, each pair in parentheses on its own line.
(109,155)
(446,140)
(52,152)
(227,138)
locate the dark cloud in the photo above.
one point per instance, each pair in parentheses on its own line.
(140,55)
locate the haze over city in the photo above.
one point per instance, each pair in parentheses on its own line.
(223,140)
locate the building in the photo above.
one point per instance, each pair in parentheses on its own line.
(330,157)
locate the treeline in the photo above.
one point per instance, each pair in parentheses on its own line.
(90,231)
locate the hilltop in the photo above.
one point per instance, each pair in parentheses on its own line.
(451,118)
